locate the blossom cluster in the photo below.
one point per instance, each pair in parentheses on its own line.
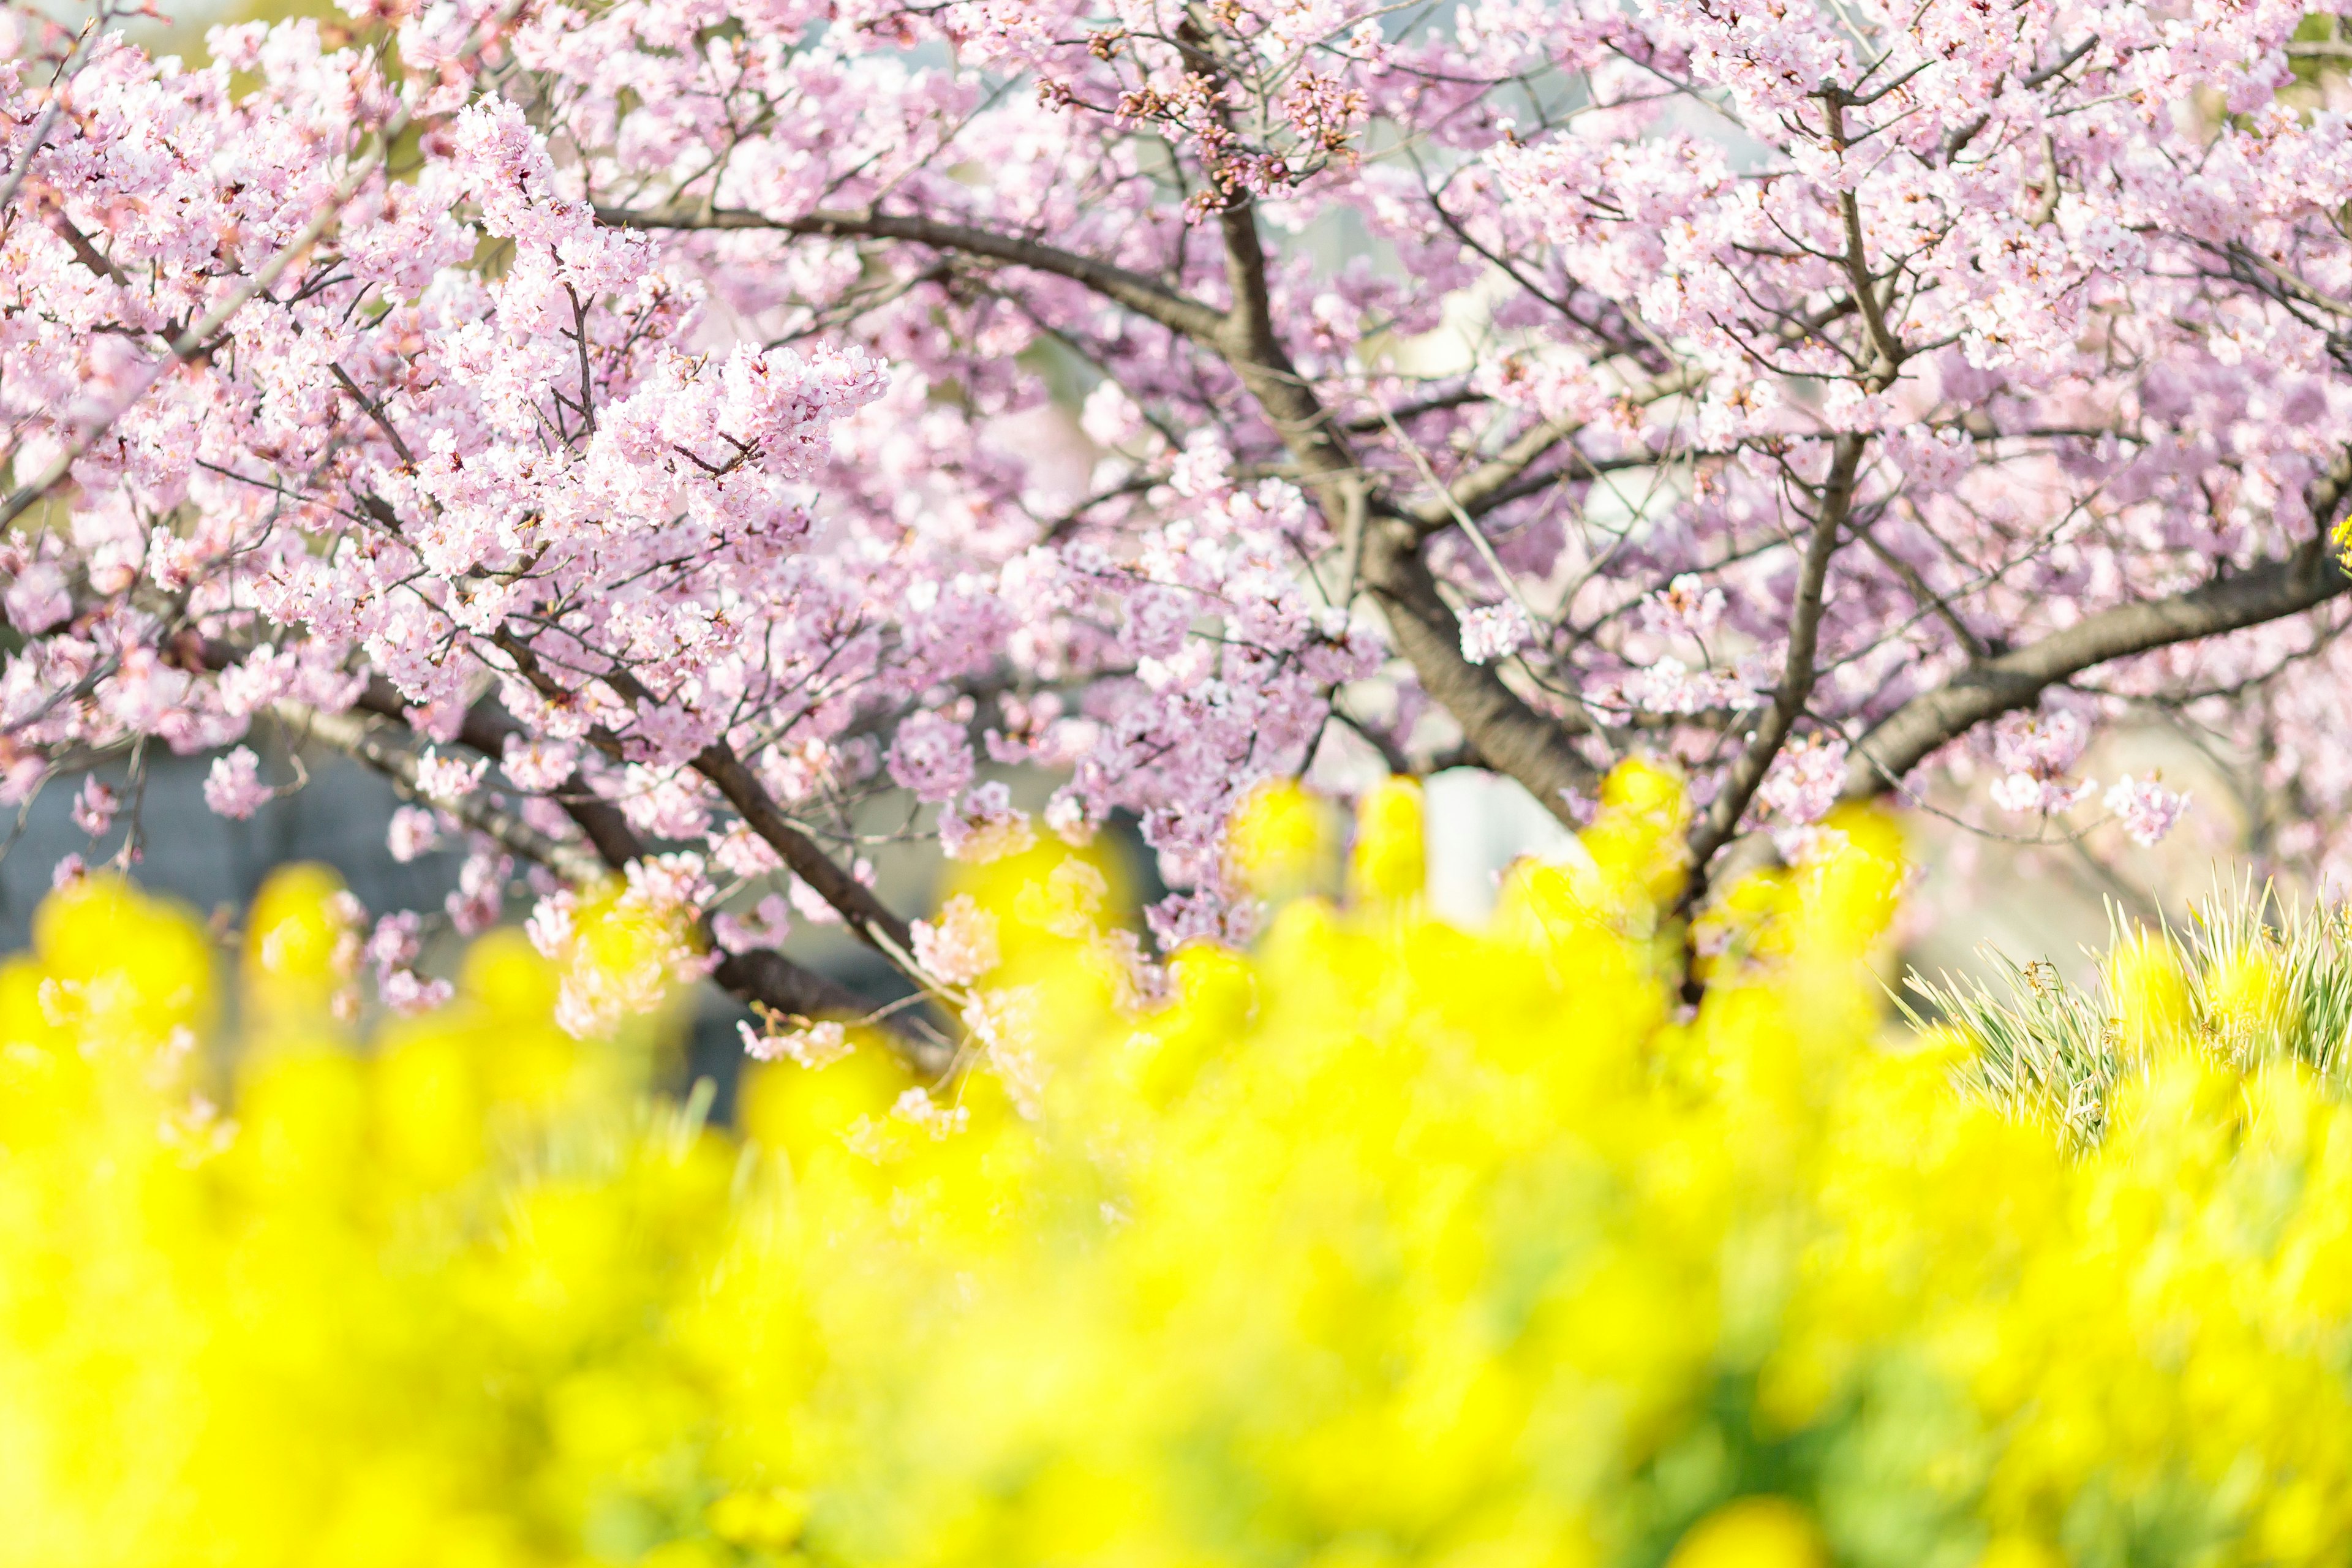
(714,422)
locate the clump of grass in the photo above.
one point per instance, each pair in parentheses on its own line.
(2252,980)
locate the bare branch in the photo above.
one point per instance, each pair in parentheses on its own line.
(1507,734)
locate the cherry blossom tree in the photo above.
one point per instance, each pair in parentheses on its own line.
(618,421)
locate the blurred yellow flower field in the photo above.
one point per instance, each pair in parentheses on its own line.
(1383,1243)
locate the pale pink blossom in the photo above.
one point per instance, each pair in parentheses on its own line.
(810,905)
(94,807)
(814,1046)
(2146,809)
(769,924)
(1493,632)
(961,945)
(2030,795)
(916,1108)
(552,923)
(415,830)
(406,991)
(449,778)
(539,764)
(1689,607)
(38,599)
(1004,1022)
(480,894)
(739,852)
(234,789)
(395,943)
(1806,779)
(985,826)
(931,757)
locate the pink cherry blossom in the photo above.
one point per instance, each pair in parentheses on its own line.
(711,431)
(234,789)
(768,926)
(1806,780)
(414,830)
(931,757)
(916,1108)
(473,908)
(406,991)
(449,778)
(94,807)
(2029,795)
(961,945)
(1493,632)
(2146,808)
(395,943)
(1686,608)
(985,826)
(817,1045)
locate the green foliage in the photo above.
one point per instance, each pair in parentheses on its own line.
(2251,982)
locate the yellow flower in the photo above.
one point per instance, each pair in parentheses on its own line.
(1281,843)
(1752,1533)
(1389,860)
(1385,1243)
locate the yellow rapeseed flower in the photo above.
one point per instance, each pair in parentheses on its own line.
(1385,1243)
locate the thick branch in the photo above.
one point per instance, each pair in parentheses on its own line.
(873,920)
(1507,734)
(1985,690)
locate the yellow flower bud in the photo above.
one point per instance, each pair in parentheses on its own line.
(1279,843)
(302,942)
(1752,1533)
(1390,860)
(2150,994)
(2245,994)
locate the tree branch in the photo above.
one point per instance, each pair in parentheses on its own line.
(1986,690)
(1507,734)
(872,921)
(1536,750)
(762,975)
(1721,820)
(1145,296)
(358,738)
(867,916)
